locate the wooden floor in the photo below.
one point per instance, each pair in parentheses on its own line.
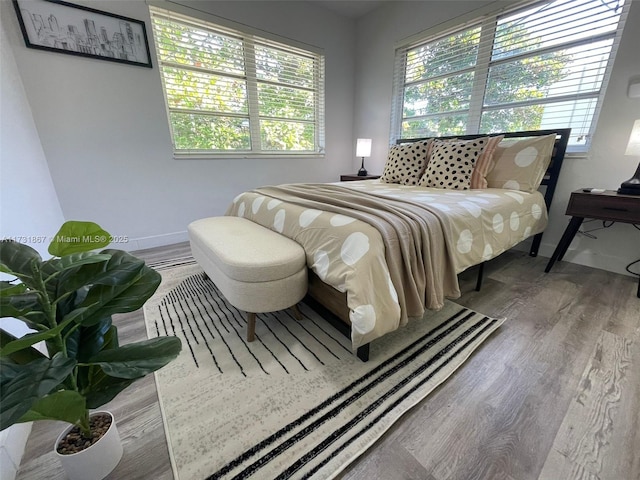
(554,394)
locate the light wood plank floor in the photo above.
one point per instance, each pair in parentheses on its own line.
(554,394)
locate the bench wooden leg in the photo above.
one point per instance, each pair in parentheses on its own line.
(296,312)
(251,327)
(363,352)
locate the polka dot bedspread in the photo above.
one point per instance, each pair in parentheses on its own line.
(394,249)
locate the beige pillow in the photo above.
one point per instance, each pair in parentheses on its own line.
(452,162)
(520,164)
(485,163)
(406,162)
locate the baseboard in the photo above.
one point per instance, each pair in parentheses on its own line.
(142,243)
(589,258)
(610,263)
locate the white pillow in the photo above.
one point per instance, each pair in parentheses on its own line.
(520,164)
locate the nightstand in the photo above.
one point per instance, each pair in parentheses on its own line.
(609,206)
(353,177)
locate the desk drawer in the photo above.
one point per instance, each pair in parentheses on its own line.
(605,207)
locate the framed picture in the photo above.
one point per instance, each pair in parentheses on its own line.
(63,27)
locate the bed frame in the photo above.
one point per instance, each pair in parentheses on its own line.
(332,304)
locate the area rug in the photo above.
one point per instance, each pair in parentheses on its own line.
(296,402)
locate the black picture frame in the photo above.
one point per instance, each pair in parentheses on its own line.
(63,27)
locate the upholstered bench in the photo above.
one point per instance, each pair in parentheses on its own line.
(256,269)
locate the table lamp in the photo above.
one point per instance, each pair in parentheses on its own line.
(632,186)
(363,149)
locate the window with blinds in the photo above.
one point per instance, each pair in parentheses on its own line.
(542,66)
(233,93)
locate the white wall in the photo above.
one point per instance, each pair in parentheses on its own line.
(28,206)
(605,166)
(377,36)
(104,130)
(103,126)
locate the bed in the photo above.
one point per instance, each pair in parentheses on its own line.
(380,252)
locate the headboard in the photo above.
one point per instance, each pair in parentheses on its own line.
(550,180)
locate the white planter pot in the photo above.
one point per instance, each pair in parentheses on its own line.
(95,462)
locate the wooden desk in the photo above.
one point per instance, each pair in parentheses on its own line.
(608,206)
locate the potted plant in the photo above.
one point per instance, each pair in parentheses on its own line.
(68,300)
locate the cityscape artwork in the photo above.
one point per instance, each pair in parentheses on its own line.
(78,30)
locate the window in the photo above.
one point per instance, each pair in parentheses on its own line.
(233,93)
(542,66)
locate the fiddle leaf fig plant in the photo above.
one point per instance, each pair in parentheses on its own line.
(68,300)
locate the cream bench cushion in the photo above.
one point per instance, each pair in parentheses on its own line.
(256,269)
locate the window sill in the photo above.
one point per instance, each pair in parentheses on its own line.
(576,155)
(245,156)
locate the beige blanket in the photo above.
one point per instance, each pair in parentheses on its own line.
(375,240)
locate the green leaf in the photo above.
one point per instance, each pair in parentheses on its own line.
(21,386)
(81,278)
(87,342)
(121,269)
(20,305)
(77,259)
(75,236)
(92,339)
(136,360)
(119,298)
(66,274)
(23,356)
(111,339)
(9,288)
(18,259)
(26,341)
(135,295)
(99,284)
(65,405)
(33,338)
(104,388)
(115,368)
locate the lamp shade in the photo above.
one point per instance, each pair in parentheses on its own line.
(363,147)
(633,148)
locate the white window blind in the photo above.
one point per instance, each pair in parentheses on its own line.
(542,66)
(233,93)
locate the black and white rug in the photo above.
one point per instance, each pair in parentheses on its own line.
(296,402)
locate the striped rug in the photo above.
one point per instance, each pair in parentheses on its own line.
(295,403)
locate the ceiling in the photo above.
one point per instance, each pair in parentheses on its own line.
(349,8)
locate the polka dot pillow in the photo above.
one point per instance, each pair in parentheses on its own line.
(406,162)
(521,164)
(451,164)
